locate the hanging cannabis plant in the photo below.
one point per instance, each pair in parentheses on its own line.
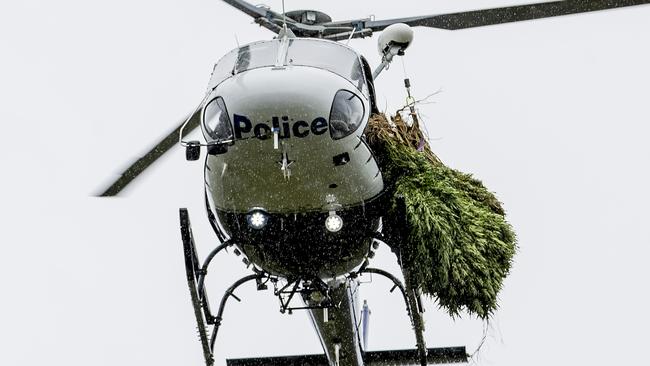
(449,230)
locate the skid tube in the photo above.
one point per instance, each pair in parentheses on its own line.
(191,272)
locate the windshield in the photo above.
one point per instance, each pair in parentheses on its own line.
(248,57)
(326,55)
(329,56)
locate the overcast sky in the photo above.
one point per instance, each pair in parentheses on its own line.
(552,115)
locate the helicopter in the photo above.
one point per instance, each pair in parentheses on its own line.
(290,181)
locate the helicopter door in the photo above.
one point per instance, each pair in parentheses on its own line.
(371,85)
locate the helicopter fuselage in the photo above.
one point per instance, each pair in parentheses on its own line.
(297,187)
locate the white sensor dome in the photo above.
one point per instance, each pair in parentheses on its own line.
(398,33)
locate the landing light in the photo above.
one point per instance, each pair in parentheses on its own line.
(333,223)
(257,219)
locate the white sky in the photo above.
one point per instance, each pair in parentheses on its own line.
(552,115)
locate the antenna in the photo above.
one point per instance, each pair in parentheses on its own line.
(284,16)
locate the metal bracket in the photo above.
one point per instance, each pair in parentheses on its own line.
(389,53)
(285,296)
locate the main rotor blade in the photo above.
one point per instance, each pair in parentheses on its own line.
(248,8)
(263,16)
(150,157)
(480,18)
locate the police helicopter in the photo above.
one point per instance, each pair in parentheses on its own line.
(291,184)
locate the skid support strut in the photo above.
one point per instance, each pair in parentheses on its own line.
(229,293)
(413,308)
(196,281)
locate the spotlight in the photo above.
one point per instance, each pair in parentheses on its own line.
(257,219)
(333,223)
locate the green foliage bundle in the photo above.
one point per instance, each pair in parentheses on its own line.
(450,231)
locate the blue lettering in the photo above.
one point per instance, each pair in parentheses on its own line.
(319,126)
(285,128)
(296,129)
(242,125)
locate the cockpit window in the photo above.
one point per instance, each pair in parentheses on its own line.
(248,57)
(216,121)
(329,56)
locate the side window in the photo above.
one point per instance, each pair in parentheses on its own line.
(216,120)
(357,76)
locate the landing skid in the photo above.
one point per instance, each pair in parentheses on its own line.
(196,274)
(375,358)
(196,281)
(192,274)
